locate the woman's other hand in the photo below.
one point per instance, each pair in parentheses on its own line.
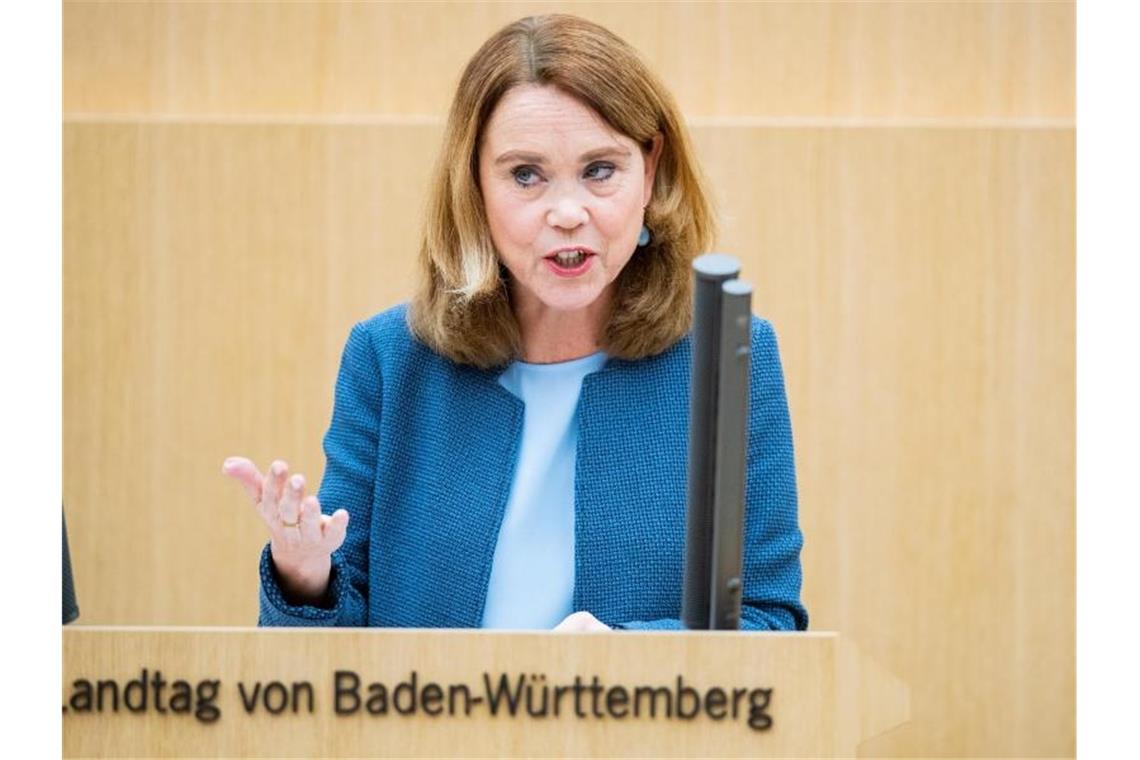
(302,539)
(581,621)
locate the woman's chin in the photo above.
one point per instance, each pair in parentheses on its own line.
(570,298)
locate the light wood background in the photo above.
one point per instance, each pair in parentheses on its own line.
(243,181)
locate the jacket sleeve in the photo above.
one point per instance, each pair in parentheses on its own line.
(350,468)
(772,538)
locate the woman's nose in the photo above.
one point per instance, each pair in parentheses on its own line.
(567,212)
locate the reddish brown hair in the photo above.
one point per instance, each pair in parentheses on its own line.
(462,306)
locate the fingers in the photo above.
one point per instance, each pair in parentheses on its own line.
(310,520)
(281,500)
(581,621)
(246,473)
(272,487)
(335,527)
(569,623)
(289,509)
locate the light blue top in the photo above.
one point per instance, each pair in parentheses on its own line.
(532,574)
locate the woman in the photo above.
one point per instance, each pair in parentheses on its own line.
(509,449)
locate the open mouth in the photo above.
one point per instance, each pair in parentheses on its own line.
(570,262)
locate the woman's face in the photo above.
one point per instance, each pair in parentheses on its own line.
(555,177)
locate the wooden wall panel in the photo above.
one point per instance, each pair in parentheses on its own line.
(922,286)
(920,282)
(895,60)
(211,275)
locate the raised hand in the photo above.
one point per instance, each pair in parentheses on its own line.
(301,539)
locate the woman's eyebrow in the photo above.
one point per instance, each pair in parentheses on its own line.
(538,158)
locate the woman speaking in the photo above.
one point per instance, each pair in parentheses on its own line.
(509,449)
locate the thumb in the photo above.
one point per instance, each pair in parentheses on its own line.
(334,529)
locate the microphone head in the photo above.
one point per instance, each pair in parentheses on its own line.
(716,266)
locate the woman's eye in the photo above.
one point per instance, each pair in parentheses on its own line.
(525,176)
(600,172)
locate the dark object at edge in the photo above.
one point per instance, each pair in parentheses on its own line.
(70,607)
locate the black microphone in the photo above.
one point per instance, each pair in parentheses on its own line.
(710,272)
(731,454)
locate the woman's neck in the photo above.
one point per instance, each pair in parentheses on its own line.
(551,335)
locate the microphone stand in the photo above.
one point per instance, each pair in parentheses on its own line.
(718,430)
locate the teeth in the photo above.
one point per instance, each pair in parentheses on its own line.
(570,258)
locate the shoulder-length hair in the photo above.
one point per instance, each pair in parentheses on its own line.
(462,307)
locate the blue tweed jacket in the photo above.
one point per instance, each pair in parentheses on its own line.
(421,452)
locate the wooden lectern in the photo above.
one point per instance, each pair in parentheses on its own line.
(256,692)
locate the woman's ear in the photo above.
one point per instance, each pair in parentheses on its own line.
(652,156)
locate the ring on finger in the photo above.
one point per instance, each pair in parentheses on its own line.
(296,524)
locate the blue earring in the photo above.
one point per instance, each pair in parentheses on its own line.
(643,238)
